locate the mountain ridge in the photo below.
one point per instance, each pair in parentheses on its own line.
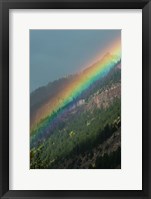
(44,94)
(86,132)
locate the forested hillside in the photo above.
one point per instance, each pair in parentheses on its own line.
(87,133)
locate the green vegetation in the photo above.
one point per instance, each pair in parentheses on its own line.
(77,137)
(88,136)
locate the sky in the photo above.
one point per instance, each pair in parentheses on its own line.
(58,53)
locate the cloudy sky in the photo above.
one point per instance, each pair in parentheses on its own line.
(57,53)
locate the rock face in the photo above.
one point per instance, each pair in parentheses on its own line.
(80,102)
(103,99)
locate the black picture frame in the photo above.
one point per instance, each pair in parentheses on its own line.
(5,5)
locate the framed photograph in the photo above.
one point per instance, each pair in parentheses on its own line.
(75,99)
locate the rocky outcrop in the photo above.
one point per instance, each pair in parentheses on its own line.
(103,99)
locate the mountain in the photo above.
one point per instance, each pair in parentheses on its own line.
(83,133)
(42,97)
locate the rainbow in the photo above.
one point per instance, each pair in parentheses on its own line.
(49,114)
